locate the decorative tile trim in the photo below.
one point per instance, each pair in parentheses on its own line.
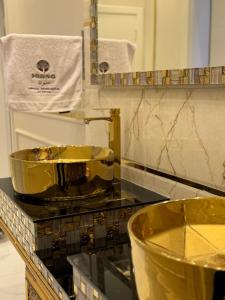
(85,230)
(32,294)
(84,288)
(18,222)
(93,42)
(195,77)
(91,230)
(23,229)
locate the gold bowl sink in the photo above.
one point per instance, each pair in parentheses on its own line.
(178,250)
(62,172)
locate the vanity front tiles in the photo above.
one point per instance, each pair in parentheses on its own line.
(49,232)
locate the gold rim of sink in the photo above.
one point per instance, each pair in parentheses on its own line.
(163,251)
(62,172)
(100,154)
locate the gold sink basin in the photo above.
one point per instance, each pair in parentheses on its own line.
(62,172)
(178,250)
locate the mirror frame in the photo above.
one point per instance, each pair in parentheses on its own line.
(181,78)
(91,43)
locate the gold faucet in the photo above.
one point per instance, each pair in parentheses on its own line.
(114,136)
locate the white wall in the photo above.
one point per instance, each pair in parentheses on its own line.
(199,33)
(218,33)
(139,3)
(4,132)
(4,121)
(149,34)
(182,34)
(171,34)
(63,17)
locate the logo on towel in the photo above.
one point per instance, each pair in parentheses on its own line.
(103,67)
(43,80)
(43,66)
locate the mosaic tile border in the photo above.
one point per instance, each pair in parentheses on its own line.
(18,222)
(84,288)
(23,230)
(194,77)
(93,42)
(90,230)
(32,294)
(83,231)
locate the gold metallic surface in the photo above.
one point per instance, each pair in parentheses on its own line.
(62,172)
(114,136)
(178,250)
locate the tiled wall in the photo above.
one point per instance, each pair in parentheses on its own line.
(90,230)
(176,131)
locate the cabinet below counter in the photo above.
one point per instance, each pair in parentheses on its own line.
(73,250)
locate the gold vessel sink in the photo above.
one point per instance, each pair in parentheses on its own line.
(178,250)
(62,172)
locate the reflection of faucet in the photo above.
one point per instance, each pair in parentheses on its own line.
(114,135)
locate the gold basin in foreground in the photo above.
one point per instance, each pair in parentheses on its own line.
(62,172)
(178,250)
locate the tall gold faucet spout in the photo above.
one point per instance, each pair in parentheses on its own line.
(88,120)
(114,136)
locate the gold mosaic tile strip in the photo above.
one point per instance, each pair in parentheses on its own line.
(209,76)
(93,42)
(84,288)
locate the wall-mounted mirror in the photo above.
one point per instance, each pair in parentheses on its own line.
(146,35)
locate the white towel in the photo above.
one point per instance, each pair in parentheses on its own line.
(42,73)
(116,54)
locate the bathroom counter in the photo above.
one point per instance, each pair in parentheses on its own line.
(75,249)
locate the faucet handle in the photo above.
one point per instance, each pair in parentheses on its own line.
(113,111)
(101,108)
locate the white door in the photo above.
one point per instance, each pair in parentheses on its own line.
(41,129)
(126,23)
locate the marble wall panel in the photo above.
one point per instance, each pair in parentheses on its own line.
(176,131)
(164,186)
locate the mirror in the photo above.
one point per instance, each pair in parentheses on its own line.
(146,35)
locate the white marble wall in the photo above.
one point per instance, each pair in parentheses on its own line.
(177,131)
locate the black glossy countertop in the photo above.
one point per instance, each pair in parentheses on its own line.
(108,268)
(125,194)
